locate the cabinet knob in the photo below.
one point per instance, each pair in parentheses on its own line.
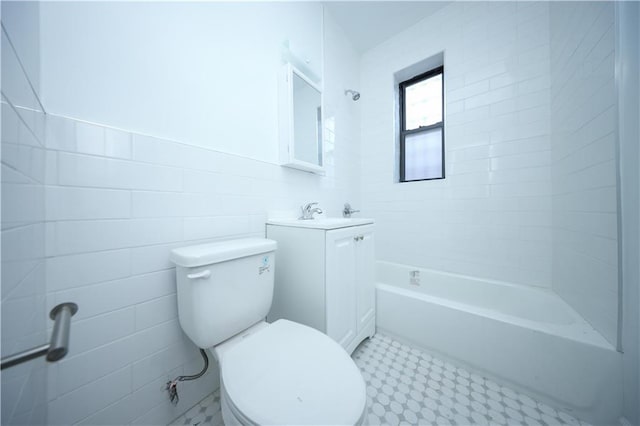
(358,237)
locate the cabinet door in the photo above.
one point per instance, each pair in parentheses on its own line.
(341,285)
(365,276)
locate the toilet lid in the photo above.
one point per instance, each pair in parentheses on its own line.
(290,374)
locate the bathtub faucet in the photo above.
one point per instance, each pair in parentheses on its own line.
(308,211)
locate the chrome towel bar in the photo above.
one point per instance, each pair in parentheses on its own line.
(58,347)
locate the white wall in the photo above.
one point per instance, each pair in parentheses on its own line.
(201,73)
(24,314)
(118,201)
(583,128)
(491,216)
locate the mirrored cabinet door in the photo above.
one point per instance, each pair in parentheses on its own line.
(300,121)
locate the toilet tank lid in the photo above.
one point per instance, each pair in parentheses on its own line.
(208,254)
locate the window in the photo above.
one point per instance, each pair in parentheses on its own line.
(422,127)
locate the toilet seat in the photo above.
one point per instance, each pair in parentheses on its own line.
(287,373)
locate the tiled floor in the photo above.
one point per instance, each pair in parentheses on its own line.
(205,413)
(408,386)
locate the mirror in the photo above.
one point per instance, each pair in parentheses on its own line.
(300,122)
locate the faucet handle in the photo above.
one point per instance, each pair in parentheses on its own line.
(348,210)
(308,206)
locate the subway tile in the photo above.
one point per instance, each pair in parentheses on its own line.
(82,402)
(151,407)
(10,124)
(10,175)
(215,227)
(158,151)
(11,398)
(502,80)
(67,203)
(27,162)
(84,170)
(22,278)
(25,242)
(89,138)
(84,236)
(157,204)
(520,146)
(64,272)
(96,235)
(60,133)
(532,159)
(98,299)
(121,412)
(156,311)
(51,167)
(75,372)
(471,166)
(22,203)
(468,90)
(536,84)
(98,330)
(153,258)
(154,339)
(521,189)
(599,200)
(117,143)
(27,318)
(154,231)
(31,130)
(156,365)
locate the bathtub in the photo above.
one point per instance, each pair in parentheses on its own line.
(524,336)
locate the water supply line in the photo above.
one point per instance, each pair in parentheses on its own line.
(172,386)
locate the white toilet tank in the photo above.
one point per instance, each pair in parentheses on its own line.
(223,287)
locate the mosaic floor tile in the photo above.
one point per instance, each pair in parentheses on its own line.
(406,386)
(205,413)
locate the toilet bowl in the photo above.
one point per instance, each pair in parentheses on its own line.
(287,373)
(282,373)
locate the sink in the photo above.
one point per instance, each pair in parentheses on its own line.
(322,223)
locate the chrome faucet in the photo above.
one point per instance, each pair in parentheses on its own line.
(348,211)
(308,211)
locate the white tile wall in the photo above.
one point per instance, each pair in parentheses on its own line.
(491,216)
(583,124)
(118,202)
(23,238)
(111,224)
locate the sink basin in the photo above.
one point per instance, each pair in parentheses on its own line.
(323,223)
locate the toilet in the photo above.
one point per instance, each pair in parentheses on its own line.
(283,373)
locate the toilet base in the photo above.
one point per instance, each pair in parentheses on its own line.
(228,415)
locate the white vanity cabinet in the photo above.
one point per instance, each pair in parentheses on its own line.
(325,278)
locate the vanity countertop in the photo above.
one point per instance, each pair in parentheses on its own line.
(323,223)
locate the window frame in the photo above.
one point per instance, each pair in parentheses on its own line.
(403,120)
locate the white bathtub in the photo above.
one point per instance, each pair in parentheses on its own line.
(525,336)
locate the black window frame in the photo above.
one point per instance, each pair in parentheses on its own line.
(403,120)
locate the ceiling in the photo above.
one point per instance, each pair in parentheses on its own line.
(368,23)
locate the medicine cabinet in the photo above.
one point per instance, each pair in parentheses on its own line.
(300,121)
